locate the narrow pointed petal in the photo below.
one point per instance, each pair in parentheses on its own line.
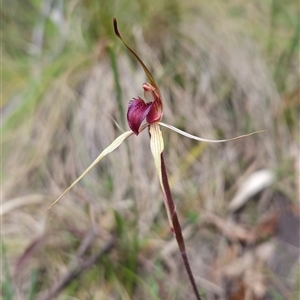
(136,114)
(207,140)
(157,147)
(147,72)
(115,144)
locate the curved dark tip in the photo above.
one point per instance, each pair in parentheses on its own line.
(147,72)
(116,27)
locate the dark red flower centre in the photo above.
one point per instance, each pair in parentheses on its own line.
(139,109)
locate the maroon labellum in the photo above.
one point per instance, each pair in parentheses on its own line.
(139,109)
(137,112)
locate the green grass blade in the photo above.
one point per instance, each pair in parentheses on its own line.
(7,287)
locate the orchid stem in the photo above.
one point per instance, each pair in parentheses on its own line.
(176,226)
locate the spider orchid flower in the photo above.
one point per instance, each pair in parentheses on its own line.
(150,110)
(147,113)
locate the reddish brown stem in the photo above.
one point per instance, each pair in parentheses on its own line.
(177,227)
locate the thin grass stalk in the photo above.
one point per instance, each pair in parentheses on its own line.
(7,286)
(114,67)
(119,97)
(33,285)
(177,228)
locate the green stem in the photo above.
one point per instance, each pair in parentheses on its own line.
(117,84)
(177,227)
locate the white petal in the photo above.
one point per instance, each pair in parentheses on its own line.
(207,140)
(157,147)
(115,144)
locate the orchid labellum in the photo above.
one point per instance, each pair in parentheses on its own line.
(147,113)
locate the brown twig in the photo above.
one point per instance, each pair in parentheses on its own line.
(76,271)
(177,227)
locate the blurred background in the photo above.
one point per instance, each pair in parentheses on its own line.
(224,68)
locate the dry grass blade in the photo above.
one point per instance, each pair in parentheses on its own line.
(76,271)
(255,183)
(21,201)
